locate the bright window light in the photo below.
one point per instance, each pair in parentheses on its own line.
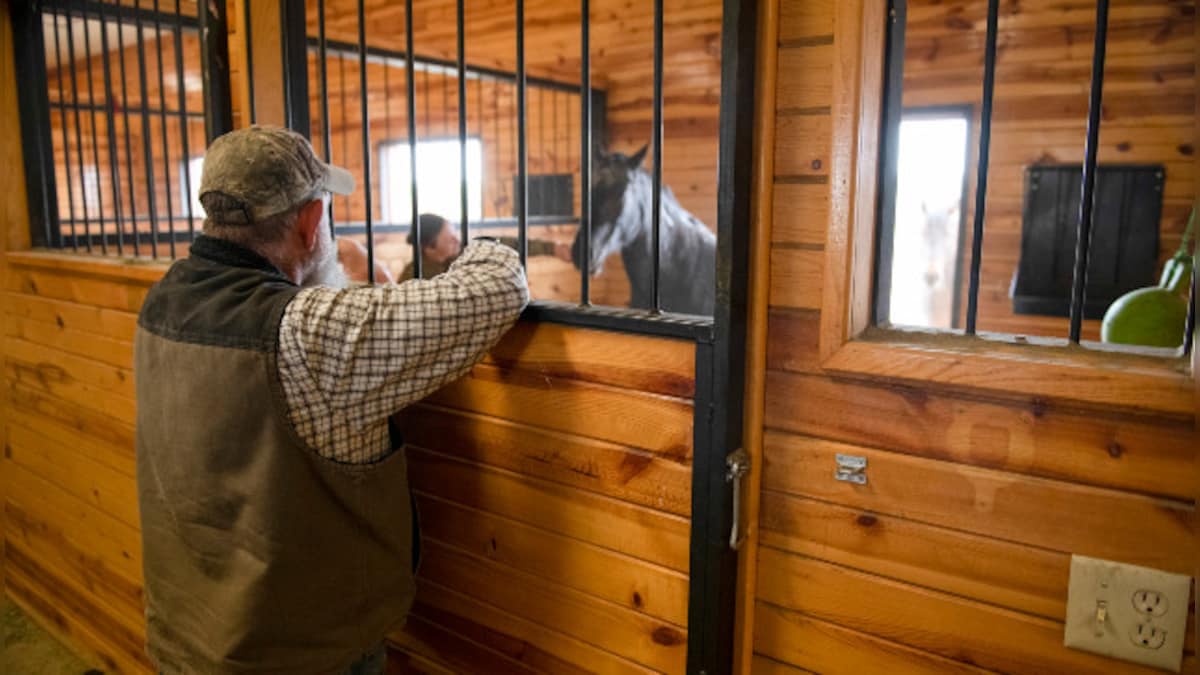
(189,182)
(929,203)
(438,180)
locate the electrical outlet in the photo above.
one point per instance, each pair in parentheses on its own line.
(1127,612)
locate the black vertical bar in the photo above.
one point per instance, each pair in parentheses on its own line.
(1189,325)
(294,45)
(166,145)
(66,138)
(893,97)
(656,140)
(114,164)
(249,45)
(345,117)
(184,128)
(985,144)
(327,127)
(37,133)
(366,137)
(720,369)
(585,150)
(129,147)
(87,47)
(1083,237)
(87,226)
(410,76)
(147,154)
(214,66)
(522,142)
(462,122)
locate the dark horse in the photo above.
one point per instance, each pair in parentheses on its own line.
(622,194)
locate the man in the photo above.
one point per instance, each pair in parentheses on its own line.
(277,529)
(440,246)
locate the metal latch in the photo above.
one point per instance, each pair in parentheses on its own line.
(737,465)
(851,469)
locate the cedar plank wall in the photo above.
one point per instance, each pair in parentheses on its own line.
(556,524)
(954,558)
(1044,63)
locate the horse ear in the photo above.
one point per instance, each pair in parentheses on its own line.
(636,160)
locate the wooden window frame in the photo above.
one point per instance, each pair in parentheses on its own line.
(994,366)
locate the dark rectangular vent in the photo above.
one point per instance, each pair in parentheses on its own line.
(549,194)
(1124,248)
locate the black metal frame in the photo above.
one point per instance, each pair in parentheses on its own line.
(46,222)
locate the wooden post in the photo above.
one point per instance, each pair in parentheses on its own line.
(14,232)
(756,326)
(267,60)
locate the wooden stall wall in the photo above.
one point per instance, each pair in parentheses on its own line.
(953,558)
(1043,72)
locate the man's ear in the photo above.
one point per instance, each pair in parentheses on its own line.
(308,223)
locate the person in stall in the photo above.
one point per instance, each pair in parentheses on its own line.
(278,530)
(441,246)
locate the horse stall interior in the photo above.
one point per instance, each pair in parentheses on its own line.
(911,367)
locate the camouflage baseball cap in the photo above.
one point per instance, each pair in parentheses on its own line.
(264,171)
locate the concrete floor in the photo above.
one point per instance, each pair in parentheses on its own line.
(29,650)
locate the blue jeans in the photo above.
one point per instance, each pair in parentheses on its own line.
(373,662)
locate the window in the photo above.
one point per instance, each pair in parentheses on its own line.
(438,180)
(926,235)
(91,191)
(189,185)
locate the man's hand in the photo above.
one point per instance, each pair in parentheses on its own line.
(563,252)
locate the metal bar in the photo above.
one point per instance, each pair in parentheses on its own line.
(294,46)
(87,226)
(366,136)
(411,84)
(1189,325)
(122,13)
(720,373)
(621,319)
(985,143)
(37,132)
(162,102)
(462,124)
(585,150)
(358,227)
(87,47)
(214,66)
(65,136)
(128,145)
(87,108)
(657,139)
(184,128)
(248,41)
(522,141)
(326,125)
(345,116)
(114,164)
(893,113)
(147,154)
(1083,236)
(427,63)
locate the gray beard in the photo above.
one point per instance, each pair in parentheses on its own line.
(327,270)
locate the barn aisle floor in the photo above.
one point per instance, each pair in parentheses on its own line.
(29,650)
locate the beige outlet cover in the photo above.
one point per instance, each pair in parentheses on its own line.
(1095,581)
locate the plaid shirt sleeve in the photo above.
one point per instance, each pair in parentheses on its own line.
(351,358)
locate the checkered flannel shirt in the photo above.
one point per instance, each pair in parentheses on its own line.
(350,358)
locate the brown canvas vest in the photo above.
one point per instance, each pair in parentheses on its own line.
(260,556)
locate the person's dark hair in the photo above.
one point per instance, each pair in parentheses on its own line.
(431,227)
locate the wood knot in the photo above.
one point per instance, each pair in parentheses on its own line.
(637,600)
(59,320)
(866,520)
(1038,406)
(1187,149)
(816,165)
(667,636)
(493,543)
(1124,146)
(1115,449)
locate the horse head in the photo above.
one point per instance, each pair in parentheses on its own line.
(615,221)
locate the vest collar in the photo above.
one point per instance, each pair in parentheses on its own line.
(223,252)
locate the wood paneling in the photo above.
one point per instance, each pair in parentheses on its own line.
(954,557)
(553,485)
